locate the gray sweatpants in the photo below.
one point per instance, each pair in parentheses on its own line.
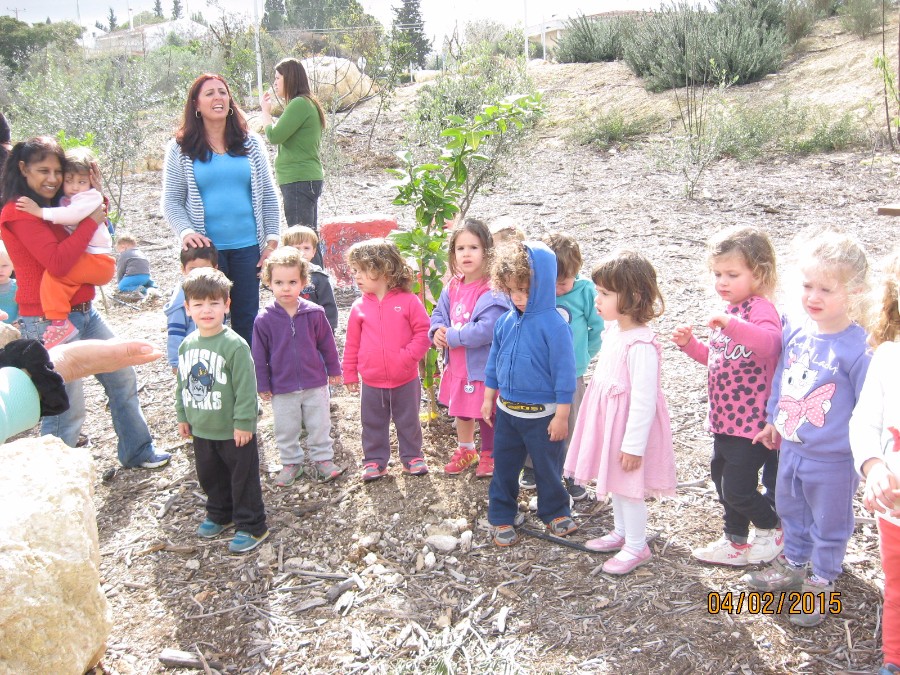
(377,408)
(309,408)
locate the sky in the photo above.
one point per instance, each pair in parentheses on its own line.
(439,15)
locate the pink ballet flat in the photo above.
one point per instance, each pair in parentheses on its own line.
(611,541)
(615,565)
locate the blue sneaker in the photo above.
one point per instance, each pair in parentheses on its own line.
(156,461)
(208,529)
(244,541)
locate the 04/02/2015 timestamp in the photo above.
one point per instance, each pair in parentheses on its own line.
(766,602)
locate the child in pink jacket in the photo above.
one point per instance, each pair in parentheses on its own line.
(387,336)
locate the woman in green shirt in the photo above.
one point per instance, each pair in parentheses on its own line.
(298,168)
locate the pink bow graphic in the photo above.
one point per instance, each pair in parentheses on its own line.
(812,407)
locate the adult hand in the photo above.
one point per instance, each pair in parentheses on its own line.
(81,358)
(266,252)
(99,214)
(194,240)
(265,103)
(96,183)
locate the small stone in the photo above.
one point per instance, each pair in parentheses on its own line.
(465,541)
(370,559)
(430,560)
(192,564)
(442,543)
(369,540)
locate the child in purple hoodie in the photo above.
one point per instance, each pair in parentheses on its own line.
(296,359)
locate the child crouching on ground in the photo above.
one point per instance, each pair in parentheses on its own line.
(96,265)
(287,328)
(318,287)
(532,366)
(387,336)
(132,267)
(216,404)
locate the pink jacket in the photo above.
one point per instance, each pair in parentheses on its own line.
(385,340)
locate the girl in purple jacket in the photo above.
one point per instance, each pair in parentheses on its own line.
(462,325)
(296,359)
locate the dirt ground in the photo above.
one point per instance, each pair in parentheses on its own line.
(346,583)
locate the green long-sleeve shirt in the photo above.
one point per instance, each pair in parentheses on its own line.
(216,391)
(586,323)
(297,134)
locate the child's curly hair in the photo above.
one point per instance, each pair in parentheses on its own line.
(755,247)
(480,230)
(286,256)
(841,257)
(885,321)
(633,277)
(510,267)
(382,257)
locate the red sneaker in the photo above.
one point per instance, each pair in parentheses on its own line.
(58,332)
(485,468)
(462,459)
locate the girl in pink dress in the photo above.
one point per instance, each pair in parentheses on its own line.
(622,436)
(462,325)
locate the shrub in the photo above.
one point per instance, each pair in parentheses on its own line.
(799,19)
(860,17)
(826,8)
(608,129)
(741,43)
(587,40)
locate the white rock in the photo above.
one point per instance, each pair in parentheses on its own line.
(370,559)
(430,560)
(465,541)
(369,540)
(54,617)
(442,543)
(192,564)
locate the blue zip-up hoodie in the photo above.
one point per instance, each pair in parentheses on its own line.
(178,325)
(292,353)
(532,358)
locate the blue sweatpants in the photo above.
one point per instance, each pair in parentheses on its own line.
(514,438)
(814,500)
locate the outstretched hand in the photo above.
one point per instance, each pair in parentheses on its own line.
(75,360)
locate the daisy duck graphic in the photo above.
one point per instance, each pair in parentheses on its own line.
(801,401)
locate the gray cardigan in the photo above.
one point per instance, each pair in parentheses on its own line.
(182,205)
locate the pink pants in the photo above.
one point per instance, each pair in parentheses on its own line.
(890,562)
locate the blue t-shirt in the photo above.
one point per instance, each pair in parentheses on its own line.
(224,185)
(8,300)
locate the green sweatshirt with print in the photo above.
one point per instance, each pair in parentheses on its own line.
(297,134)
(216,391)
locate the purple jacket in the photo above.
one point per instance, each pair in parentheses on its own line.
(477,334)
(293,353)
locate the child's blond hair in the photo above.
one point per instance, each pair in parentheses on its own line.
(381,257)
(206,283)
(125,239)
(505,230)
(633,278)
(842,258)
(511,267)
(755,248)
(286,256)
(299,234)
(568,254)
(79,160)
(885,323)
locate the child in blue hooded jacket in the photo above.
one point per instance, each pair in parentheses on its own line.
(532,366)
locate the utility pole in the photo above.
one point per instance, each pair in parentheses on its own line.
(16,10)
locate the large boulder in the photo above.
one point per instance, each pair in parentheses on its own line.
(337,83)
(54,617)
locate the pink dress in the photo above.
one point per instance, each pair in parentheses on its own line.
(461,395)
(600,427)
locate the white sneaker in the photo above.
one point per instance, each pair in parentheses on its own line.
(766,546)
(723,552)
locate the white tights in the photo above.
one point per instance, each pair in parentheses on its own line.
(630,518)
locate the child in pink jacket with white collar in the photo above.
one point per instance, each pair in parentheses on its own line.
(387,336)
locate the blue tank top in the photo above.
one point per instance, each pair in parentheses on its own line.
(224,184)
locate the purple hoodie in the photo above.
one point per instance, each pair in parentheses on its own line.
(293,353)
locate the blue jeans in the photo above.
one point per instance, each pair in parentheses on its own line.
(239,265)
(301,207)
(135,445)
(514,438)
(134,281)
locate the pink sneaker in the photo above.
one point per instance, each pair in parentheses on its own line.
(626,561)
(611,541)
(58,332)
